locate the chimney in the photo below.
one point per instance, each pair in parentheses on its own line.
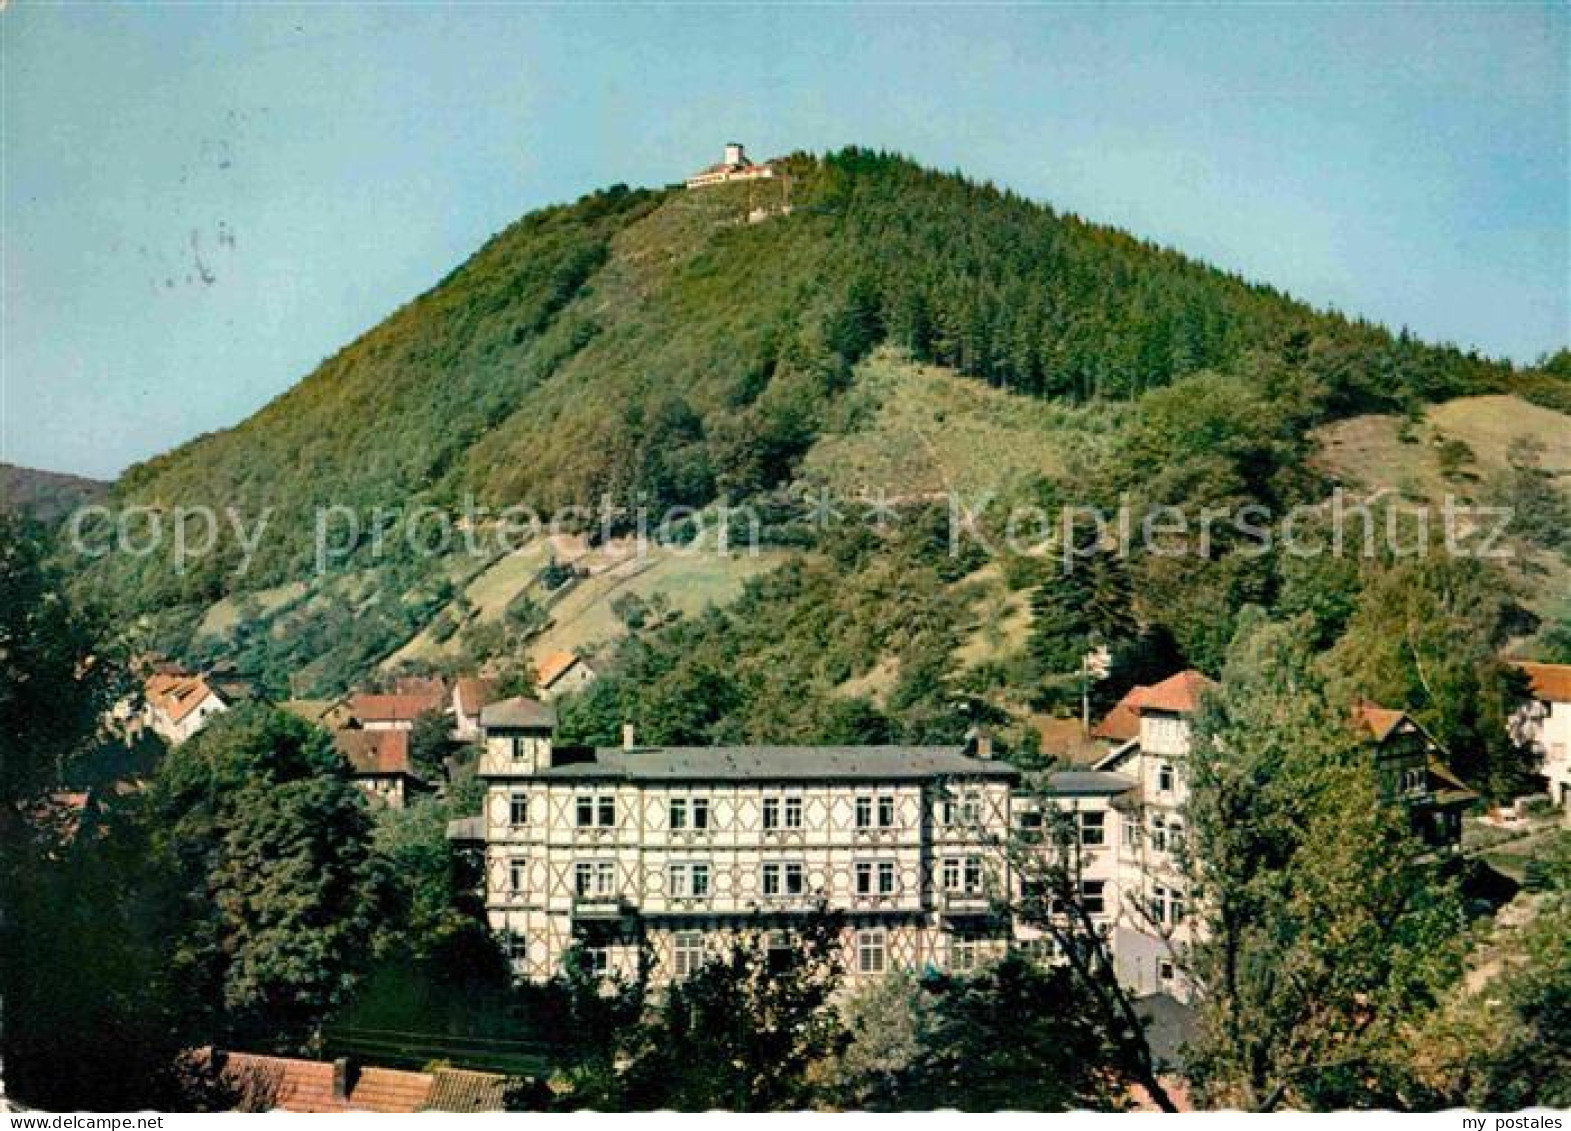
(984,746)
(341,1079)
(627,736)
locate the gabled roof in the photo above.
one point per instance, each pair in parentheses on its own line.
(1550,682)
(1122,722)
(292,1084)
(520,712)
(552,667)
(1179,694)
(375,752)
(474,692)
(394,708)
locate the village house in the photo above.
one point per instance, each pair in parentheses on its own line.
(177,704)
(733,166)
(470,695)
(559,673)
(395,711)
(1544,723)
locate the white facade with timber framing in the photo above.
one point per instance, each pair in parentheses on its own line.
(925,850)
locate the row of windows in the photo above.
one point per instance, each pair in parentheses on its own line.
(692,813)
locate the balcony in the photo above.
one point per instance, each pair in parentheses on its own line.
(964,904)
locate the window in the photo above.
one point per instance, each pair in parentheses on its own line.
(1159,832)
(519,749)
(864,812)
(1131,835)
(864,878)
(783,879)
(1164,778)
(1158,909)
(1029,823)
(678,812)
(596,959)
(687,952)
(1413,780)
(886,877)
(1093,829)
(886,812)
(592,811)
(1092,897)
(870,951)
(594,879)
(518,809)
(1175,907)
(1164,972)
(875,877)
(517,875)
(971,810)
(689,881)
(771,812)
(700,812)
(966,952)
(793,812)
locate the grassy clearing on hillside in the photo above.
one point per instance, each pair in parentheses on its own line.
(921,430)
(1369,451)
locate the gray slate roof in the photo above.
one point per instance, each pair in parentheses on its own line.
(529,714)
(782,763)
(1081,783)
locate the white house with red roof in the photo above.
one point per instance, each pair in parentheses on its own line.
(735,165)
(178,704)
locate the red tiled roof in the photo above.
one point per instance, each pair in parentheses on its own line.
(388,1089)
(552,667)
(1378,721)
(1550,682)
(272,1083)
(474,692)
(177,695)
(375,751)
(279,1082)
(393,708)
(1177,693)
(1123,722)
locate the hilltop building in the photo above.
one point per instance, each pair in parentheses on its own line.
(1544,723)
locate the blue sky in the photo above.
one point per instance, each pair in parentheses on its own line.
(201,202)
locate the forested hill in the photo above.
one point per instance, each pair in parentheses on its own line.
(654,343)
